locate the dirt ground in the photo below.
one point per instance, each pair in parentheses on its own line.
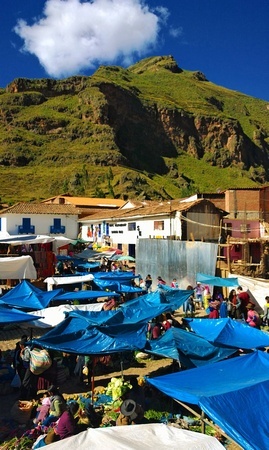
(143,368)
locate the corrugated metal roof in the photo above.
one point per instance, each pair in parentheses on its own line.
(40,208)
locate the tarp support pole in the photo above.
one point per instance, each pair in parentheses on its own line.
(205,421)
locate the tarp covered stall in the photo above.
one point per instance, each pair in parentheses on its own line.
(50,317)
(12,315)
(77,335)
(188,348)
(149,436)
(216,281)
(21,239)
(84,295)
(28,297)
(234,393)
(230,333)
(17,268)
(73,279)
(170,300)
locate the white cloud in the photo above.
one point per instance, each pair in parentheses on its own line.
(175,32)
(73,35)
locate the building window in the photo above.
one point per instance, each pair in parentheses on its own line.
(26,227)
(158,224)
(245,228)
(57,227)
(131,226)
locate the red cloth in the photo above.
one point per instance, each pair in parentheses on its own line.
(214,314)
(156,332)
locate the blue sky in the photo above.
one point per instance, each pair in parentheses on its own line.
(227,40)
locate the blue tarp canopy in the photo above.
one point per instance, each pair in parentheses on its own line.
(216,281)
(28,297)
(122,277)
(188,348)
(83,295)
(229,333)
(77,335)
(116,286)
(234,393)
(12,315)
(171,300)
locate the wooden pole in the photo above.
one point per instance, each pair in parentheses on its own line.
(206,421)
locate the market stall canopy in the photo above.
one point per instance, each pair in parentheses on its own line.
(73,279)
(117,286)
(120,276)
(52,316)
(230,333)
(21,239)
(216,281)
(83,295)
(168,300)
(233,393)
(148,436)
(17,268)
(188,348)
(12,315)
(77,335)
(123,258)
(28,297)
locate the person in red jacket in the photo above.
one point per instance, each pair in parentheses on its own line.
(245,300)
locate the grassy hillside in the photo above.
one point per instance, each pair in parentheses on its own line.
(150,131)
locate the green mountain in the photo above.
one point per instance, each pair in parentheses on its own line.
(151,131)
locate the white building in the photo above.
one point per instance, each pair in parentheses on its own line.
(39,219)
(176,219)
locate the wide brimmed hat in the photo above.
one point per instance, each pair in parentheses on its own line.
(128,408)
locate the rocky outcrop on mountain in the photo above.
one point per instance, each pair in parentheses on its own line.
(145,118)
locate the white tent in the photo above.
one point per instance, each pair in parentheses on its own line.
(52,316)
(17,268)
(74,279)
(134,437)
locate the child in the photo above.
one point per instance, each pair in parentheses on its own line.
(43,409)
(174,284)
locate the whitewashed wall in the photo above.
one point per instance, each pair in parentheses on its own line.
(119,232)
(42,223)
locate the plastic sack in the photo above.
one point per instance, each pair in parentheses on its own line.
(40,361)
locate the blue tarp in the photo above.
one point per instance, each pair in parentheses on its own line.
(28,297)
(216,281)
(12,315)
(188,348)
(83,295)
(117,286)
(229,333)
(173,298)
(77,335)
(115,276)
(234,393)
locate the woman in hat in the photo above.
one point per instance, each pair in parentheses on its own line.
(131,413)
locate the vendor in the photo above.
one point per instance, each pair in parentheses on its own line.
(131,413)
